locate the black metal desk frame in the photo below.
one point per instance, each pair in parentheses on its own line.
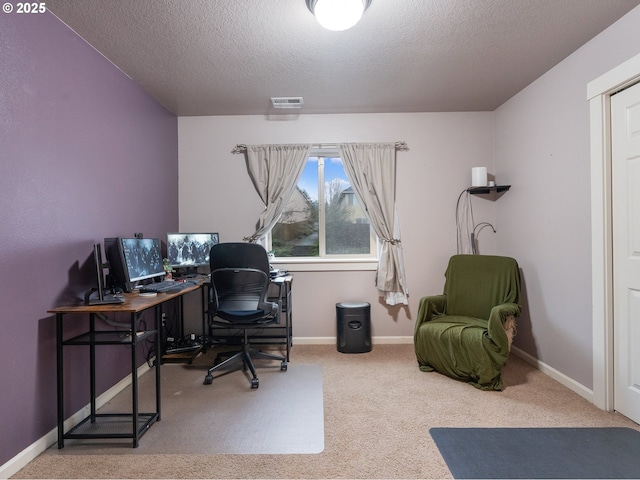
(138,423)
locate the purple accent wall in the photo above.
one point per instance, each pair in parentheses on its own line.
(84,153)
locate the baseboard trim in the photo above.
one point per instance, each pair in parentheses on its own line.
(23,458)
(561,378)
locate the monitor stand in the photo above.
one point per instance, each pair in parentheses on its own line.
(107,299)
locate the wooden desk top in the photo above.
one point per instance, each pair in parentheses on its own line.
(133,302)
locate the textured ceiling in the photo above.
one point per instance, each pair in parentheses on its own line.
(228,57)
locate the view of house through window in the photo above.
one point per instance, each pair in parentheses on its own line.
(323,217)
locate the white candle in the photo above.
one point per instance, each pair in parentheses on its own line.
(479,177)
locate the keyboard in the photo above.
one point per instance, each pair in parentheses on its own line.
(165,286)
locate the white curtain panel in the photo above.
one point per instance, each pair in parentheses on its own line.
(371,169)
(274,171)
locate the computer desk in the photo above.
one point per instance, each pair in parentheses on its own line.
(114,425)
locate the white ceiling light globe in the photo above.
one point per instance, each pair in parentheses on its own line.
(338,15)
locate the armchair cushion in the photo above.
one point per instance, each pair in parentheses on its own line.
(466,332)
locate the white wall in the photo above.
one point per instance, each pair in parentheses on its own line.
(542,145)
(215,193)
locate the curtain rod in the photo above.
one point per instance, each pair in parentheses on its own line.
(241,148)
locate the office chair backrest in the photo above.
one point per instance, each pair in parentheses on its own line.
(240,280)
(239,255)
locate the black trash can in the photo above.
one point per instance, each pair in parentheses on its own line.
(354,327)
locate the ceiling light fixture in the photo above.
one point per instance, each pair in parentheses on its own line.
(338,15)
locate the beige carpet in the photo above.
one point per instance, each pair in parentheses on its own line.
(378,409)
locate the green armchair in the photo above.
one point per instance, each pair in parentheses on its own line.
(466,333)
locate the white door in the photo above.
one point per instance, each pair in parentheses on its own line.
(625,132)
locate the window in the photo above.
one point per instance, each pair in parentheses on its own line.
(323,218)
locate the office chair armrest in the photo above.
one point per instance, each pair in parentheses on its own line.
(429,308)
(282,290)
(276,310)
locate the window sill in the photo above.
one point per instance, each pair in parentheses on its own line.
(325,265)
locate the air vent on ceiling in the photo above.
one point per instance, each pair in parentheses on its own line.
(286,102)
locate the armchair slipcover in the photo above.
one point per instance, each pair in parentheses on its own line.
(466,333)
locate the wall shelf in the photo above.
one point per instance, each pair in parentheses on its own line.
(485,190)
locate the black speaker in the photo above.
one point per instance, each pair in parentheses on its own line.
(354,327)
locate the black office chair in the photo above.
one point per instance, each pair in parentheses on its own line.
(240,283)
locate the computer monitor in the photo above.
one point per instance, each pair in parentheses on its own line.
(99,295)
(99,267)
(187,250)
(142,259)
(113,252)
(131,260)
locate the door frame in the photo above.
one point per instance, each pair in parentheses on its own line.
(599,93)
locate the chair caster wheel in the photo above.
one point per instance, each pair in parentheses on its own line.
(283,366)
(208,380)
(255,383)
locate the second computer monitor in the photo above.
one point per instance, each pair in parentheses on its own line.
(186,250)
(142,258)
